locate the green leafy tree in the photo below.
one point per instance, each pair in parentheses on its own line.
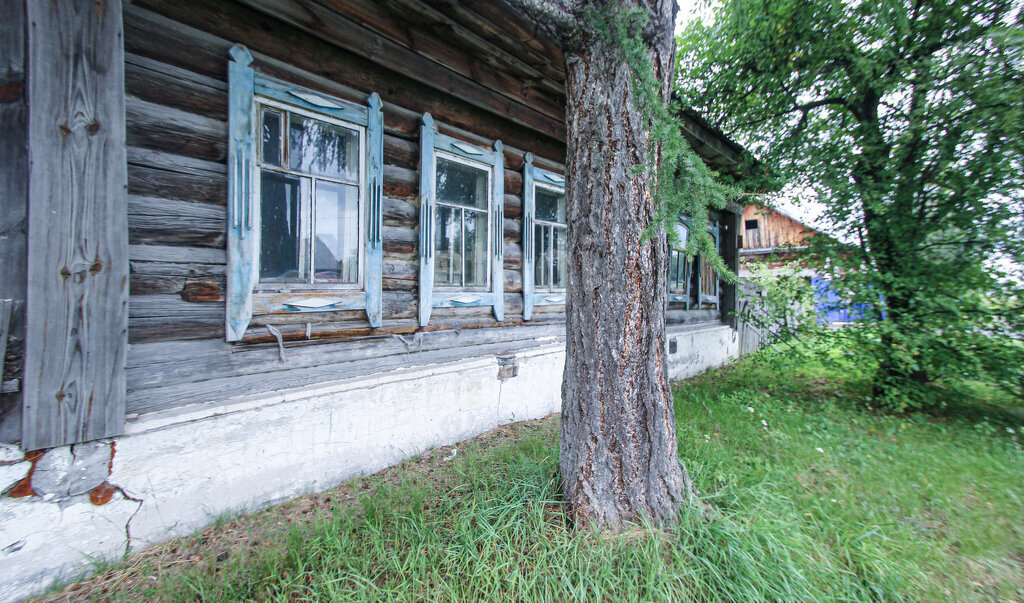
(907,119)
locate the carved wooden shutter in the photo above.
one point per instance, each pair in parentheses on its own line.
(241,173)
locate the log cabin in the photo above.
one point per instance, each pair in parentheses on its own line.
(771,237)
(252,248)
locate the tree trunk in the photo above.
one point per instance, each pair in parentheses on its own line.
(619,456)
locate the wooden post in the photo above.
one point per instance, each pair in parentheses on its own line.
(77,314)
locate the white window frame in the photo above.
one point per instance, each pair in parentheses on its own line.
(558,190)
(308,200)
(433,145)
(534,177)
(487,214)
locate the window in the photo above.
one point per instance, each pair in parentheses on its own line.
(462,188)
(311,181)
(304,199)
(707,277)
(461,254)
(545,243)
(549,233)
(679,268)
(751,224)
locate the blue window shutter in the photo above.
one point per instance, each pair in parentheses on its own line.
(374,248)
(427,132)
(498,257)
(241,176)
(528,210)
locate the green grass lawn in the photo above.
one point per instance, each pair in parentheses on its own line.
(815,497)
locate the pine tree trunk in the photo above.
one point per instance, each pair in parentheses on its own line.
(619,456)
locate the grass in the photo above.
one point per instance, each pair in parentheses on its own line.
(816,498)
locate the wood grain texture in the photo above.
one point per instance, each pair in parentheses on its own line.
(162,128)
(158,82)
(330,26)
(289,53)
(430,34)
(13,202)
(78,235)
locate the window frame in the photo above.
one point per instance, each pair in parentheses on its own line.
(558,190)
(675,295)
(433,144)
(246,296)
(715,298)
(488,169)
(307,216)
(533,177)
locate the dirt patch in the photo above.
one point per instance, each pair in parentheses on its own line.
(242,535)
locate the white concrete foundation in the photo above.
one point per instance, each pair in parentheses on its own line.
(174,472)
(700,347)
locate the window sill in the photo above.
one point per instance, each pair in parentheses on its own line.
(309,300)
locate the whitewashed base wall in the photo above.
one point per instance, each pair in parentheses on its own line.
(173,473)
(700,347)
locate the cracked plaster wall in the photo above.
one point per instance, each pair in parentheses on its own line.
(173,473)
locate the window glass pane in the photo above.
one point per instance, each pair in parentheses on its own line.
(271,137)
(448,246)
(683,233)
(324,149)
(542,256)
(559,277)
(476,248)
(336,246)
(279,226)
(462,184)
(549,206)
(675,272)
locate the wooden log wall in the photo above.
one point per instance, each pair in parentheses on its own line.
(773,229)
(176,56)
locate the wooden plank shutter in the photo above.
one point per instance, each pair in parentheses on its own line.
(77,312)
(241,175)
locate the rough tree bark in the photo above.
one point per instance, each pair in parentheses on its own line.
(619,456)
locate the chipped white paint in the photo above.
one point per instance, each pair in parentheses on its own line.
(11,475)
(67,471)
(178,470)
(187,467)
(10,453)
(41,542)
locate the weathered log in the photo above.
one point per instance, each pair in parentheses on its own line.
(170,222)
(400,183)
(161,128)
(201,187)
(399,212)
(160,83)
(314,63)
